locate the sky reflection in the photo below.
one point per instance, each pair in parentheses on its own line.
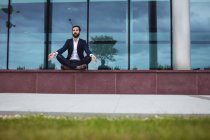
(110,18)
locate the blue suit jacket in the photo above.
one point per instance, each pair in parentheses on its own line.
(81,47)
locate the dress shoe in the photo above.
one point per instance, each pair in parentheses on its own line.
(81,67)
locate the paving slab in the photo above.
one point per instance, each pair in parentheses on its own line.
(109,104)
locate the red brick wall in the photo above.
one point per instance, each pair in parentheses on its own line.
(105,82)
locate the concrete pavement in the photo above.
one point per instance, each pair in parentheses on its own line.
(108,104)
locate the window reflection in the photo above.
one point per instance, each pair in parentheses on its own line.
(103,48)
(108,24)
(64,14)
(108,35)
(27,35)
(150,34)
(200,34)
(3,33)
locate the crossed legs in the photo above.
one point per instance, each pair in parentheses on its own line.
(74,64)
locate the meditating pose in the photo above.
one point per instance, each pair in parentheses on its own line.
(76,48)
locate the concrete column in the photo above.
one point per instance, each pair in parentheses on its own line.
(181,34)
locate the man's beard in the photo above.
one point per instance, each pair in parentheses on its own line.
(75,35)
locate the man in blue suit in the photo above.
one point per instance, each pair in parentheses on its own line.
(76,47)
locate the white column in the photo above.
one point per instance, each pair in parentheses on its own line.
(181,34)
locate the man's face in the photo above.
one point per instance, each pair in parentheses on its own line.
(75,32)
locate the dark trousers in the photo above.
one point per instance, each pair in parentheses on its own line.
(72,64)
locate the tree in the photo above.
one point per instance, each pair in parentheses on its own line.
(103,47)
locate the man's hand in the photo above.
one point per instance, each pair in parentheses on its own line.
(51,56)
(93,58)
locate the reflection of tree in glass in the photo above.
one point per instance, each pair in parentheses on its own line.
(103,48)
(103,66)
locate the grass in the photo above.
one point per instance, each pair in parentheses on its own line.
(42,127)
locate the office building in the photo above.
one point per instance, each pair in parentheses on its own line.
(124,34)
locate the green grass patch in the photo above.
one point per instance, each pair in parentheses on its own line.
(42,127)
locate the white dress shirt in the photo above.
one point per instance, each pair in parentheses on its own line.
(75,55)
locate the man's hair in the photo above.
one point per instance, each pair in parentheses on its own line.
(77,27)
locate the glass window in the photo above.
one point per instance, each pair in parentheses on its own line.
(66,13)
(3,33)
(108,26)
(200,34)
(27,34)
(150,34)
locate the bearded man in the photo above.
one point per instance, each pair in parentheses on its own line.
(76,48)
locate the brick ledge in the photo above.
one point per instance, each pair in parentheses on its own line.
(184,82)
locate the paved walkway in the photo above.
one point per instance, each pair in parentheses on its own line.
(88,104)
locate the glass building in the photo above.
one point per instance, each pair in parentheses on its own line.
(123,34)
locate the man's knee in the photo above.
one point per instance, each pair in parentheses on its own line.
(59,57)
(87,60)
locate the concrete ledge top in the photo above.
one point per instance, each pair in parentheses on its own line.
(104,71)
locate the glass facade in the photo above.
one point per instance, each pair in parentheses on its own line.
(26,44)
(150,34)
(200,34)
(108,33)
(123,34)
(65,13)
(3,33)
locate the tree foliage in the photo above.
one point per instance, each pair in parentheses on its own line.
(103,47)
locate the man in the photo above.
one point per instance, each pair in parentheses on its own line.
(76,47)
